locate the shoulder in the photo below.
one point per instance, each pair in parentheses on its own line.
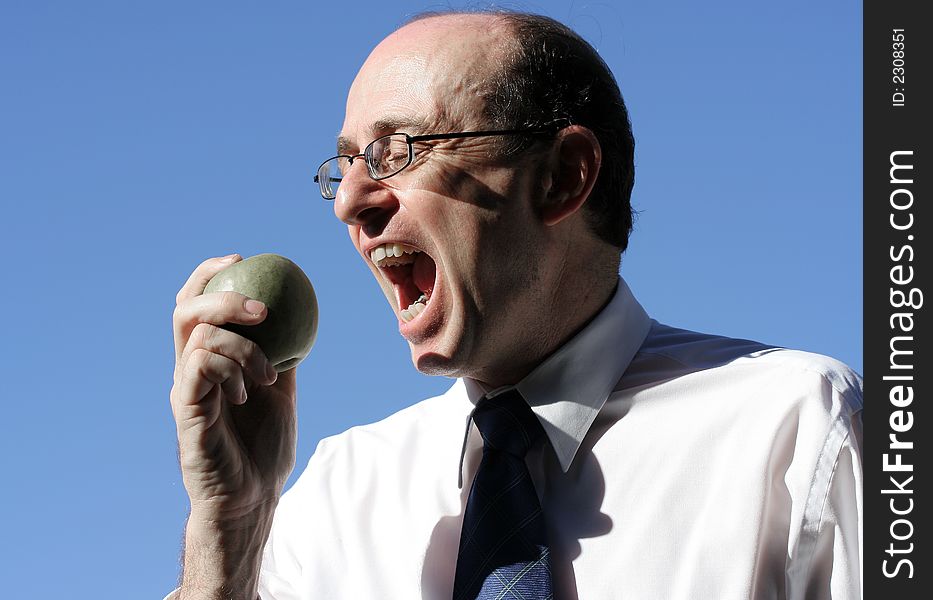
(824,373)
(742,367)
(790,412)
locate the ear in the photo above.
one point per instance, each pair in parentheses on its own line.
(573,174)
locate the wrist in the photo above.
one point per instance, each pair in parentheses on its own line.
(223,555)
(227,518)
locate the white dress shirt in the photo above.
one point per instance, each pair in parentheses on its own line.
(680,466)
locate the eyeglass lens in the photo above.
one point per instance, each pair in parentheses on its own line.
(388,155)
(384,158)
(330,174)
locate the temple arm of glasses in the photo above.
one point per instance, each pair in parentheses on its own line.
(550,128)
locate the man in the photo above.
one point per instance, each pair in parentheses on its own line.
(484,173)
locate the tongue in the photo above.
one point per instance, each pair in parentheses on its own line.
(423,273)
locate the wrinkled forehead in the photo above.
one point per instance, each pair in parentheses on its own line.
(430,75)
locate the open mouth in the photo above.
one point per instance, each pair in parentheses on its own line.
(412,273)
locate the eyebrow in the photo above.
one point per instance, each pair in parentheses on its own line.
(381,127)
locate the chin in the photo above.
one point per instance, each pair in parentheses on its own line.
(439,356)
(431,360)
(435,365)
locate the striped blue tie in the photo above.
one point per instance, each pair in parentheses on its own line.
(503,542)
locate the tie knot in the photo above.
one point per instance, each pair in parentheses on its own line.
(507,423)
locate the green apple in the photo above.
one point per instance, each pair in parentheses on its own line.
(290,327)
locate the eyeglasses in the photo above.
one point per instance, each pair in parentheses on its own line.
(391,154)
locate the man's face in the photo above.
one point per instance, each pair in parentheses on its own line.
(461,219)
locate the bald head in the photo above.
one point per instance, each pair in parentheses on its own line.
(447,60)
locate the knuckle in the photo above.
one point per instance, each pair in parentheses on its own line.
(198,360)
(184,317)
(202,335)
(178,313)
(232,302)
(250,348)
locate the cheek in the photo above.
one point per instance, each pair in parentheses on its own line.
(459,182)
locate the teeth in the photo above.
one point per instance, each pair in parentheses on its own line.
(415,309)
(392,254)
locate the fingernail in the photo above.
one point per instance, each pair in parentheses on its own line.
(253,306)
(229,257)
(271,373)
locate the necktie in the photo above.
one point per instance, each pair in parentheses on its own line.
(503,544)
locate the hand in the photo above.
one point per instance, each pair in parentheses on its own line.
(236,421)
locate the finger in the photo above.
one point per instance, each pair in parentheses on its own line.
(244,352)
(202,274)
(216,308)
(234,388)
(203,372)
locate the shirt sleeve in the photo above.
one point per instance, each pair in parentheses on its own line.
(835,521)
(836,566)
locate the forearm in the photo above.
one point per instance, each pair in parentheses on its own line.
(222,559)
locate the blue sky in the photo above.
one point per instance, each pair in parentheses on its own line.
(137,139)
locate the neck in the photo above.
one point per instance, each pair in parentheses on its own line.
(563,310)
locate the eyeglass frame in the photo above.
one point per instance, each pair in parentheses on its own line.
(366,155)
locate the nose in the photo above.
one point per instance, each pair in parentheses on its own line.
(360,199)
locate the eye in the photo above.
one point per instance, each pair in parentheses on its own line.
(396,149)
(396,157)
(393,152)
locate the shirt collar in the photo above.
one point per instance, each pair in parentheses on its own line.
(570,387)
